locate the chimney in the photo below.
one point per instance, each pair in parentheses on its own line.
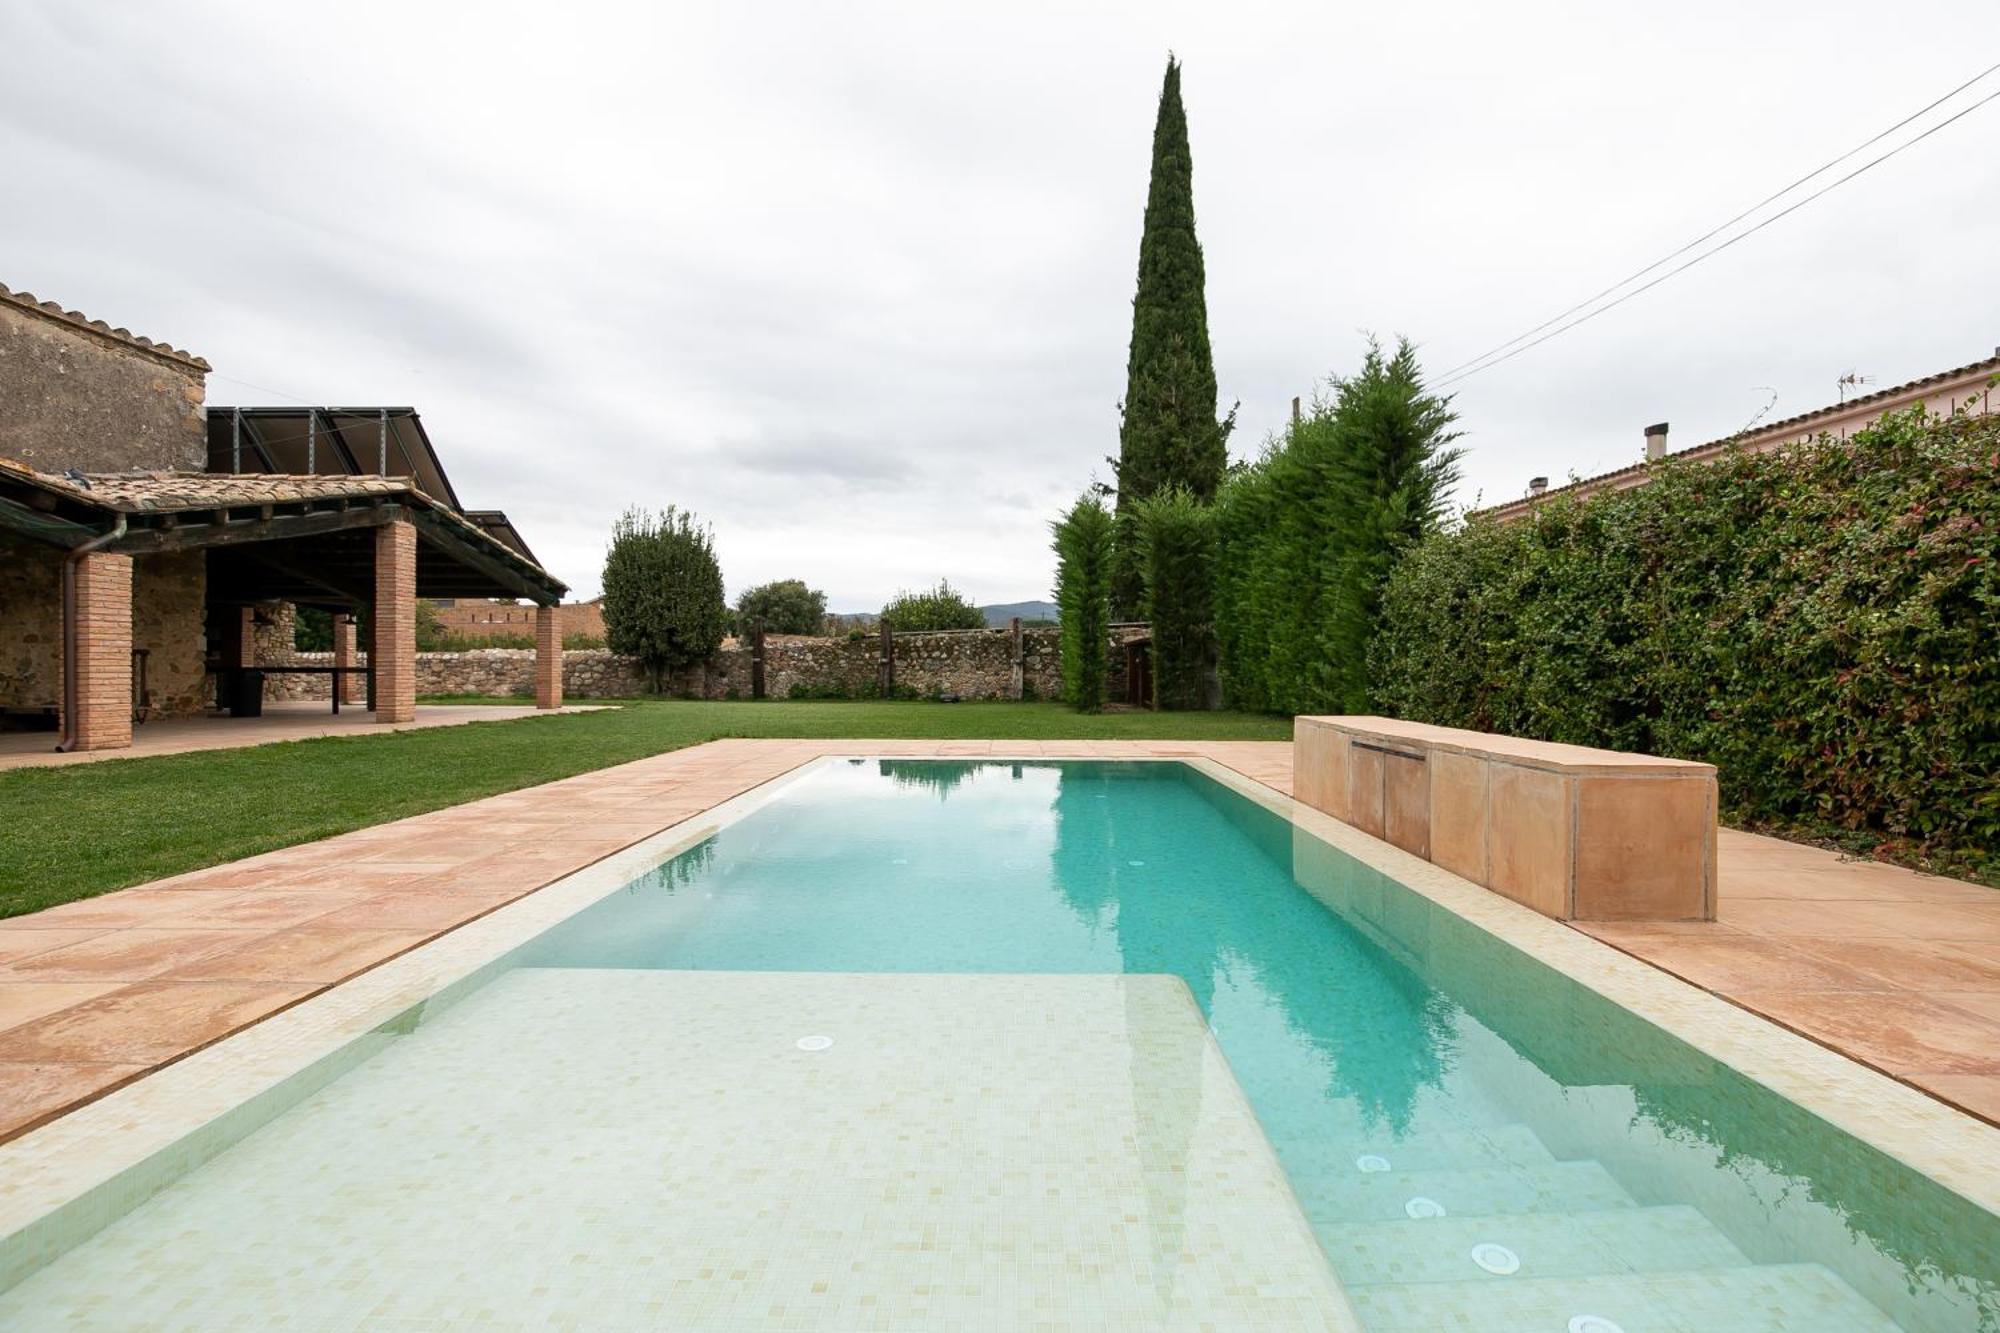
(1656,442)
(1295,411)
(1536,485)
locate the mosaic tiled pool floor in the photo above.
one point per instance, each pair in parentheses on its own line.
(971,1151)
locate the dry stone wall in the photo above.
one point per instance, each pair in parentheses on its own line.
(971,664)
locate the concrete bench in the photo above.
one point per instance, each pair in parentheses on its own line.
(1572,832)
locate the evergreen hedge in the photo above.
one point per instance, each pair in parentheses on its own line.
(1307,534)
(1177,546)
(1083,601)
(1822,624)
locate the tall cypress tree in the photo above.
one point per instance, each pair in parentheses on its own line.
(1168,435)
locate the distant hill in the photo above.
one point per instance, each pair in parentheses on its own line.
(998,616)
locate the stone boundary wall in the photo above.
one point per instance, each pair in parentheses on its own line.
(972,664)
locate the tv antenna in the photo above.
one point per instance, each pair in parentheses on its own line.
(1852,380)
(1761,412)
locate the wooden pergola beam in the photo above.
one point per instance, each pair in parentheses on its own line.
(442,534)
(222,530)
(43,527)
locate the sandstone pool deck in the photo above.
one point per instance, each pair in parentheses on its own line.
(1898,970)
(288,720)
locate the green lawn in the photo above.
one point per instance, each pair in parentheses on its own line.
(83,829)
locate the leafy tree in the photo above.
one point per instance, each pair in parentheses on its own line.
(787,606)
(663,592)
(1083,600)
(1177,539)
(312,630)
(942,607)
(1307,534)
(431,634)
(1168,434)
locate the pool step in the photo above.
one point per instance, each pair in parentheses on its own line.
(1621,1240)
(1501,1145)
(1773,1298)
(1548,1187)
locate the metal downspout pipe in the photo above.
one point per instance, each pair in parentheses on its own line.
(69,681)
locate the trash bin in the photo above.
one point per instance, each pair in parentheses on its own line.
(246,693)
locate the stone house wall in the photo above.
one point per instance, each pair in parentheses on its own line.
(30,625)
(76,393)
(169,603)
(168,593)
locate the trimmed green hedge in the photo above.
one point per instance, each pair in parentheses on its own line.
(1177,554)
(1822,624)
(1083,547)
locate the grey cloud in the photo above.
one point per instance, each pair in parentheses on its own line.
(853,282)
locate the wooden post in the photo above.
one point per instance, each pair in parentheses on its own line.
(887,670)
(346,690)
(1019,676)
(757,661)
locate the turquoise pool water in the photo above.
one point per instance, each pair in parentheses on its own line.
(615,1125)
(1473,1136)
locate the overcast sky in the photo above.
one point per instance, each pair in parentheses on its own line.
(853,282)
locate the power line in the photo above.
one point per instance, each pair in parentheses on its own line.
(1492,357)
(1715,231)
(260,388)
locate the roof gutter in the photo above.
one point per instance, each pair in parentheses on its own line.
(70,635)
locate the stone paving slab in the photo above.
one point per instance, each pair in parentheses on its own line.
(1896,969)
(283,720)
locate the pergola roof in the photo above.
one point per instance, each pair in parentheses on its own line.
(328,441)
(341,442)
(273,536)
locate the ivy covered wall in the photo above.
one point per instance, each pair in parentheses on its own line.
(1822,624)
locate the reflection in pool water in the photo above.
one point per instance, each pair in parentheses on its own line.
(1362,1022)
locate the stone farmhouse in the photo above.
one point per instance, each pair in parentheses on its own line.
(144,537)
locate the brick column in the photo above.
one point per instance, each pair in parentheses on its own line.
(103,653)
(394,649)
(548,657)
(351,688)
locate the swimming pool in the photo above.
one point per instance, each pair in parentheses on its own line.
(1473,1138)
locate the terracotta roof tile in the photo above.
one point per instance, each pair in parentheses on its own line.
(161,492)
(27,301)
(174,492)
